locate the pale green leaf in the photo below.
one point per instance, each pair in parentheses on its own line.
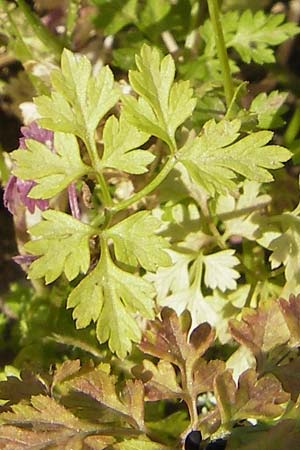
(111,297)
(62,244)
(52,171)
(214,159)
(256,33)
(139,444)
(163,104)
(121,142)
(80,98)
(219,272)
(241,216)
(135,241)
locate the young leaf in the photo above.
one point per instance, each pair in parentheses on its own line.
(52,172)
(260,331)
(120,147)
(252,398)
(62,244)
(257,32)
(219,272)
(269,109)
(163,104)
(214,158)
(80,99)
(101,386)
(168,339)
(110,297)
(290,310)
(135,242)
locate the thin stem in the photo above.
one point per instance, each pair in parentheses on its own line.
(148,188)
(96,163)
(214,13)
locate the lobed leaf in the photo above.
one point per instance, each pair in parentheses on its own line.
(80,99)
(163,105)
(62,244)
(110,297)
(214,159)
(121,141)
(51,171)
(135,242)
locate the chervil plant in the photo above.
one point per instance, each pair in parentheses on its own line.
(165,311)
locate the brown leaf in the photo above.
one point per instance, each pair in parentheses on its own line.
(291,313)
(261,331)
(168,339)
(252,398)
(289,376)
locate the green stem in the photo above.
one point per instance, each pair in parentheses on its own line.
(214,13)
(148,188)
(40,30)
(96,163)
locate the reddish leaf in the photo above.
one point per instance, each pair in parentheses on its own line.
(252,398)
(261,331)
(168,339)
(289,376)
(100,386)
(291,313)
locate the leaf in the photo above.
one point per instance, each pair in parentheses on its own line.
(160,381)
(256,32)
(15,389)
(173,278)
(115,14)
(135,242)
(80,99)
(219,272)
(252,398)
(110,297)
(269,109)
(290,310)
(286,247)
(101,386)
(49,423)
(241,216)
(260,330)
(288,375)
(168,339)
(62,244)
(120,139)
(285,434)
(214,158)
(139,444)
(163,105)
(52,172)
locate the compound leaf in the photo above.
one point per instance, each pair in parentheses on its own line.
(62,244)
(257,32)
(121,140)
(110,297)
(52,172)
(214,159)
(135,242)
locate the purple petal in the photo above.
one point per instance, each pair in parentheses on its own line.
(34,131)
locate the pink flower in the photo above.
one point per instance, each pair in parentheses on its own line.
(16,190)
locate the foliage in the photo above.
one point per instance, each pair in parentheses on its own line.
(164,266)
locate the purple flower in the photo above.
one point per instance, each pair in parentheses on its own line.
(16,190)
